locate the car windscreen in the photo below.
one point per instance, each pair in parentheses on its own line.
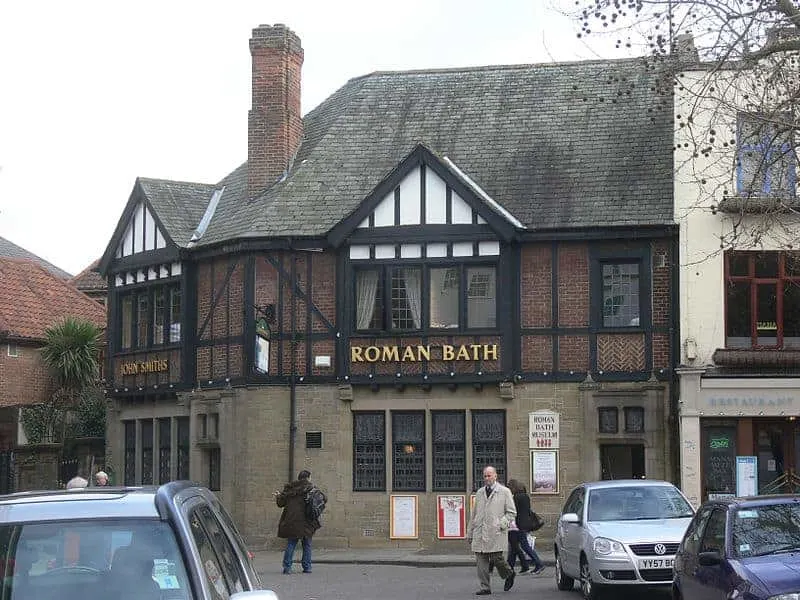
(636,503)
(98,559)
(766,529)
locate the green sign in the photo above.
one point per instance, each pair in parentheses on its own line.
(718,443)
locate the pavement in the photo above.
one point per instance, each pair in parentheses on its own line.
(267,560)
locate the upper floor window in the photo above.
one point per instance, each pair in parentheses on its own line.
(409,298)
(762,299)
(150,317)
(765,164)
(620,294)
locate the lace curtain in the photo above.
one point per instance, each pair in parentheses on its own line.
(366,291)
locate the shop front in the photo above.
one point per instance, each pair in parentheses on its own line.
(738,436)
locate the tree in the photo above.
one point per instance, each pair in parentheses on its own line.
(71,353)
(732,68)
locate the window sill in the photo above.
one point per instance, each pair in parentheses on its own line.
(758,204)
(136,351)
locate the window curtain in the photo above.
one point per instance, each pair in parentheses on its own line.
(413,283)
(366,291)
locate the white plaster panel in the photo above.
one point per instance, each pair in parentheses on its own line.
(163,271)
(489,248)
(176,268)
(138,227)
(410,201)
(118,281)
(130,278)
(435,199)
(160,241)
(140,277)
(411,251)
(481,220)
(127,241)
(437,250)
(463,249)
(359,252)
(152,273)
(364,224)
(384,251)
(461,211)
(149,230)
(384,212)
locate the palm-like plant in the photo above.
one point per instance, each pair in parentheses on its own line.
(71,354)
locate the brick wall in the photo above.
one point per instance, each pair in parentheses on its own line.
(536,273)
(573,285)
(23,379)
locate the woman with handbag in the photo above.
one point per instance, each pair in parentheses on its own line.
(518,544)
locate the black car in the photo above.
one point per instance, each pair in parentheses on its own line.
(741,548)
(174,542)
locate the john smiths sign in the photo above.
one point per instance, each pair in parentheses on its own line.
(419,353)
(150,366)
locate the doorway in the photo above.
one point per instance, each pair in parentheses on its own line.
(622,461)
(777,448)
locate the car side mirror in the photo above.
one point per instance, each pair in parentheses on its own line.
(570,518)
(255,595)
(709,559)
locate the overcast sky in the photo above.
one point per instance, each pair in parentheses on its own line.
(94,94)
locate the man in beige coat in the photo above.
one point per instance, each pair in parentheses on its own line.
(487,532)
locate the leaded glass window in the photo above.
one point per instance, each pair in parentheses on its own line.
(183,448)
(449,451)
(488,444)
(608,419)
(130,453)
(147,452)
(369,451)
(634,419)
(164,449)
(408,443)
(621,294)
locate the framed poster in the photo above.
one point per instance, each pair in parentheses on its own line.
(451,521)
(544,471)
(403,517)
(746,476)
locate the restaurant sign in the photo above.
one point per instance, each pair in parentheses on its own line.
(157,365)
(447,352)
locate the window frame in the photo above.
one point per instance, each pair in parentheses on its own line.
(418,452)
(764,147)
(477,467)
(129,301)
(462,485)
(382,484)
(605,256)
(780,281)
(463,264)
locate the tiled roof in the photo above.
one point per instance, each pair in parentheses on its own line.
(32,300)
(89,280)
(11,250)
(570,145)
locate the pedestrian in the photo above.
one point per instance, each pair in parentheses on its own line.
(296,522)
(518,544)
(77,483)
(101,478)
(487,533)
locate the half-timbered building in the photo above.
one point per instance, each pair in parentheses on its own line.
(392,283)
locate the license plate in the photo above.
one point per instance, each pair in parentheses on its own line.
(656,563)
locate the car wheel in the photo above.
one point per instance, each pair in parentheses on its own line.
(589,589)
(564,582)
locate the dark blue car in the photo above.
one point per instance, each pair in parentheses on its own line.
(741,548)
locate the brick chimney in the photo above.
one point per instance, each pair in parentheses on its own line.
(274,123)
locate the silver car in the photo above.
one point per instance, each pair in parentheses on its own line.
(614,533)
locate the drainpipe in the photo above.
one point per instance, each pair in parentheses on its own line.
(293,379)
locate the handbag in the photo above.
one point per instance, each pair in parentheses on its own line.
(537,521)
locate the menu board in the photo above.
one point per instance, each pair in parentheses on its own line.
(403,517)
(719,460)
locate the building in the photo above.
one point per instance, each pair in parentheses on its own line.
(32,299)
(90,283)
(390,287)
(10,250)
(739,300)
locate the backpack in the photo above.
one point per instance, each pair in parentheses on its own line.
(315,504)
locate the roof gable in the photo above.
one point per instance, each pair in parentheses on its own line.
(424,190)
(11,250)
(32,300)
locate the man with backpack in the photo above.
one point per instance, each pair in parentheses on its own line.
(302,503)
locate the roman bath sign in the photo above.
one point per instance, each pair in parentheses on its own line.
(373,354)
(156,365)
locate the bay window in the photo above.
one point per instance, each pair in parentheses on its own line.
(150,317)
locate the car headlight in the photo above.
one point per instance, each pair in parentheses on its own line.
(604,547)
(791,596)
